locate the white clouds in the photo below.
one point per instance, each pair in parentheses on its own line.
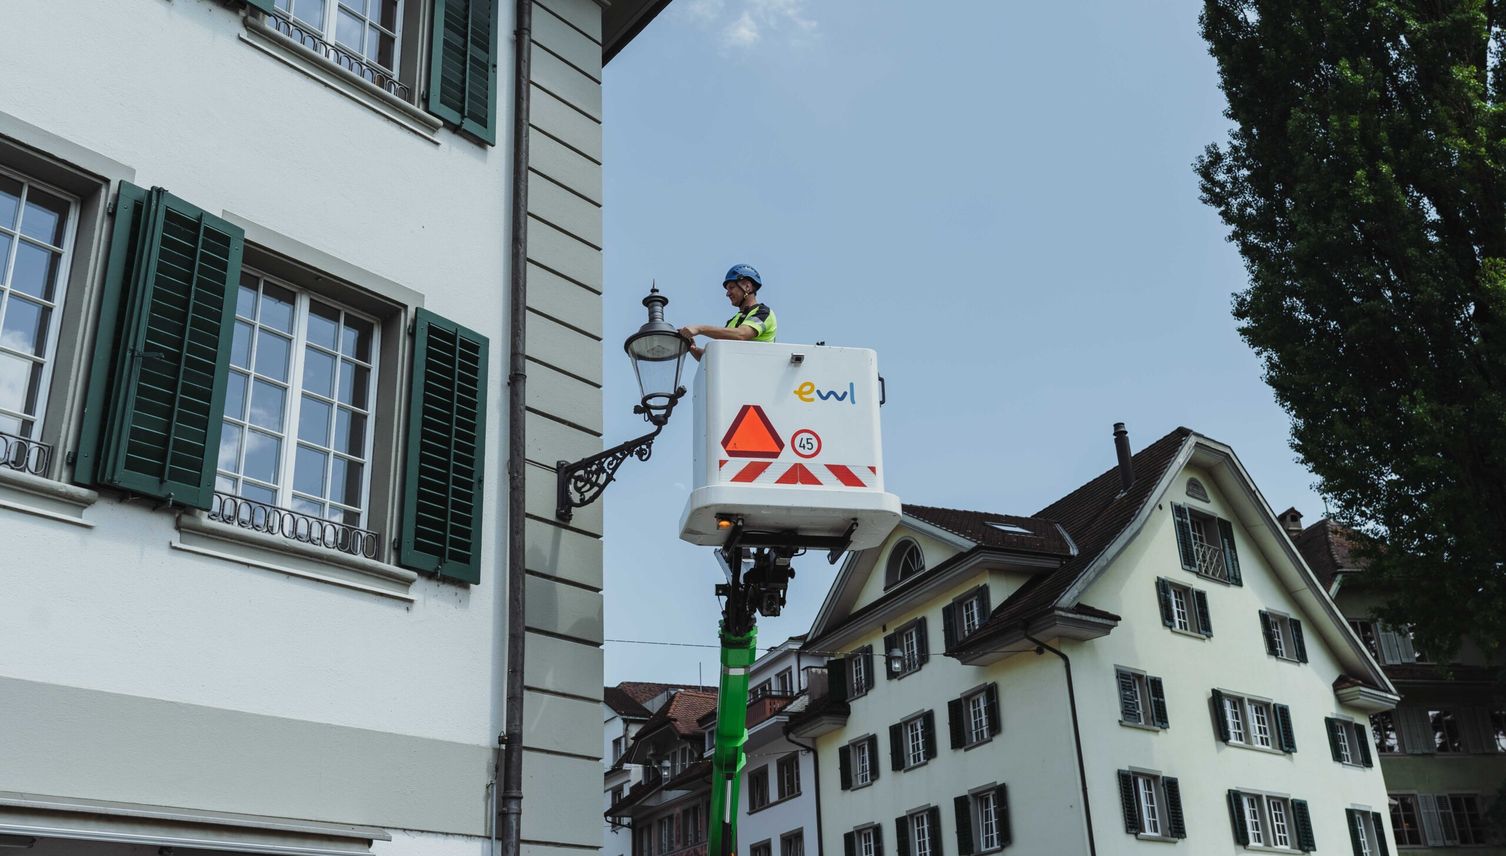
(754,23)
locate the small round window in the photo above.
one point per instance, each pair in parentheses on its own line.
(905,560)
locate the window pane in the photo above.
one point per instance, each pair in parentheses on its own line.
(353,382)
(318,372)
(45,217)
(311,11)
(230,448)
(267,403)
(257,493)
(36,270)
(349,30)
(308,506)
(272,355)
(263,453)
(313,421)
(25,328)
(382,49)
(355,341)
(19,379)
(245,297)
(308,471)
(345,481)
(277,307)
(385,13)
(324,324)
(350,432)
(235,396)
(5,243)
(240,346)
(10,201)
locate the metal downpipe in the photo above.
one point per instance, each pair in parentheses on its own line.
(1082,772)
(511,808)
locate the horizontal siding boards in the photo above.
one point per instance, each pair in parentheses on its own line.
(564,165)
(552,33)
(569,83)
(539,499)
(562,666)
(564,254)
(563,397)
(565,123)
(558,724)
(550,441)
(564,209)
(559,801)
(564,610)
(559,552)
(565,348)
(567,302)
(584,15)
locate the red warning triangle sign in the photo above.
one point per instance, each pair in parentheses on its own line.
(752,435)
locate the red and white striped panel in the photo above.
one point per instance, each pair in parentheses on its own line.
(797,474)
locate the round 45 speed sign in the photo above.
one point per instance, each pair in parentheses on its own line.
(806,443)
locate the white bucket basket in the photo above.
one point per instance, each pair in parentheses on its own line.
(787,440)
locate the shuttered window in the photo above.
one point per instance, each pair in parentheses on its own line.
(151,421)
(1151,804)
(442,513)
(463,66)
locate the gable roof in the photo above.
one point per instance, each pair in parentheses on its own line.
(682,713)
(984,528)
(629,698)
(1327,549)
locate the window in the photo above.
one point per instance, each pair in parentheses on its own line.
(986,819)
(692,827)
(868,841)
(856,762)
(1387,738)
(1196,490)
(666,834)
(1369,634)
(1142,699)
(792,843)
(758,788)
(906,560)
(1270,820)
(978,728)
(1348,742)
(909,642)
(1498,730)
(37,226)
(922,833)
(789,775)
(1445,725)
(784,682)
(964,615)
(974,717)
(1253,722)
(762,848)
(361,36)
(619,745)
(1283,636)
(1405,819)
(1459,819)
(1151,804)
(760,690)
(1365,831)
(1206,544)
(860,672)
(1184,608)
(617,793)
(915,741)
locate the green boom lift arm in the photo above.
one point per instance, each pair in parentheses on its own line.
(759,591)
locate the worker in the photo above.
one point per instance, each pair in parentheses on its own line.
(753,322)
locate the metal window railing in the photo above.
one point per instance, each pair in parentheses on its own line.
(1210,561)
(352,62)
(25,455)
(296,526)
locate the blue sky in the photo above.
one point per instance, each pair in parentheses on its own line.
(996,196)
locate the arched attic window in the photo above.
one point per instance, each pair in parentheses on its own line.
(1196,490)
(905,561)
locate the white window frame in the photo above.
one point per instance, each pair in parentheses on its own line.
(1246,717)
(969,615)
(1254,829)
(1344,732)
(1281,823)
(1148,800)
(1181,611)
(1362,832)
(1269,818)
(920,833)
(857,675)
(867,838)
(56,306)
(986,810)
(292,406)
(909,646)
(914,733)
(1262,721)
(789,761)
(862,762)
(328,31)
(975,706)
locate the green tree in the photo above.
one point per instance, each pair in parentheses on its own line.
(1364,183)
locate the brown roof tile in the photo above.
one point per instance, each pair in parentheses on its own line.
(1327,548)
(629,697)
(1024,534)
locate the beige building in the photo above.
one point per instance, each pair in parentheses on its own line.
(1145,662)
(1443,749)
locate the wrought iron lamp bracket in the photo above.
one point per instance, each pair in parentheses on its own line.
(582,482)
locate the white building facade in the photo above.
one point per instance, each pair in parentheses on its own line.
(254,409)
(777,811)
(1146,663)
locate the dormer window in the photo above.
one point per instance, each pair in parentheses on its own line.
(905,561)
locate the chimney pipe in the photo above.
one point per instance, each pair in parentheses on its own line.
(1126,466)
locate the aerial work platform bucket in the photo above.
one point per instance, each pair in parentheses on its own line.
(787,440)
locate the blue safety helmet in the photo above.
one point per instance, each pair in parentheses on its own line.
(743,272)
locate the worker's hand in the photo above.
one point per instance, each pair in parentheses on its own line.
(690,331)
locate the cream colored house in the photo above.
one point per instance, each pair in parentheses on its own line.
(1145,665)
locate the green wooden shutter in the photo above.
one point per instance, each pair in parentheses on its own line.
(991,696)
(152,411)
(928,730)
(1306,842)
(463,66)
(873,764)
(896,747)
(902,835)
(1184,536)
(844,768)
(1157,703)
(1163,596)
(1001,814)
(1284,730)
(1379,825)
(849,844)
(1237,818)
(962,810)
(1298,641)
(954,716)
(923,642)
(867,654)
(1352,819)
(1220,720)
(836,678)
(935,830)
(1333,725)
(1362,740)
(949,626)
(446,451)
(1128,803)
(1231,556)
(1176,823)
(1204,617)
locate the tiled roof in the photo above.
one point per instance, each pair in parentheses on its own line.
(1093,515)
(1326,547)
(629,697)
(682,712)
(1024,534)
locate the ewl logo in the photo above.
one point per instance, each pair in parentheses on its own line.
(808,393)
